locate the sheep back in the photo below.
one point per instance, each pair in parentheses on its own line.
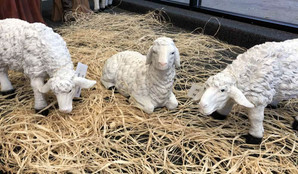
(268,72)
(127,70)
(33,48)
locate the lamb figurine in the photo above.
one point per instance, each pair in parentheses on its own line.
(38,52)
(265,74)
(101,4)
(147,80)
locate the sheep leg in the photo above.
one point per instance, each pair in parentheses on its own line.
(96,5)
(222,114)
(6,87)
(110,2)
(102,4)
(172,103)
(143,103)
(256,117)
(39,99)
(295,123)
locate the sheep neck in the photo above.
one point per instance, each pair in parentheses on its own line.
(160,83)
(60,71)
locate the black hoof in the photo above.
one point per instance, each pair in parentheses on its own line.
(295,125)
(112,88)
(77,99)
(10,93)
(218,116)
(44,112)
(249,139)
(272,106)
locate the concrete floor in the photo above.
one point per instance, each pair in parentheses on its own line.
(279,10)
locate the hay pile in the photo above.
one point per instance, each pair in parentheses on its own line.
(105,134)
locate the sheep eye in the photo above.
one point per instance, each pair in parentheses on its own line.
(223,90)
(172,53)
(69,91)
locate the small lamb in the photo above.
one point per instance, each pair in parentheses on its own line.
(38,52)
(265,74)
(148,80)
(101,4)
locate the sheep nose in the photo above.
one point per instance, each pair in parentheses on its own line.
(162,63)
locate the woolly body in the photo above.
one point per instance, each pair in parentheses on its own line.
(35,50)
(38,51)
(265,74)
(149,84)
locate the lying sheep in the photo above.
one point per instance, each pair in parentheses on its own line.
(265,74)
(148,80)
(101,4)
(38,52)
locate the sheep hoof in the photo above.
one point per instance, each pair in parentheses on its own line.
(10,93)
(218,116)
(272,106)
(112,88)
(295,125)
(252,140)
(44,112)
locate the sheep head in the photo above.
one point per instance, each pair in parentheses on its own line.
(163,54)
(219,89)
(64,88)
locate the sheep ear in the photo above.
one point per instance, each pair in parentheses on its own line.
(46,87)
(149,56)
(84,83)
(239,97)
(177,57)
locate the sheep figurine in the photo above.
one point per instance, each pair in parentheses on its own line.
(101,4)
(264,75)
(147,80)
(40,53)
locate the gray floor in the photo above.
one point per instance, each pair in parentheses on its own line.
(279,10)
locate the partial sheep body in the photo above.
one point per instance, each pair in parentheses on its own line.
(38,52)
(148,80)
(265,74)
(102,4)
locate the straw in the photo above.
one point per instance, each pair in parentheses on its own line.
(106,134)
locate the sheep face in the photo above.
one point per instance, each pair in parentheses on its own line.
(163,55)
(219,89)
(64,89)
(214,98)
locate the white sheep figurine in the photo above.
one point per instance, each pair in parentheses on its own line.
(38,52)
(101,4)
(147,80)
(264,75)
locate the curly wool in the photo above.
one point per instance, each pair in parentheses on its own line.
(143,78)
(62,81)
(36,50)
(135,77)
(265,73)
